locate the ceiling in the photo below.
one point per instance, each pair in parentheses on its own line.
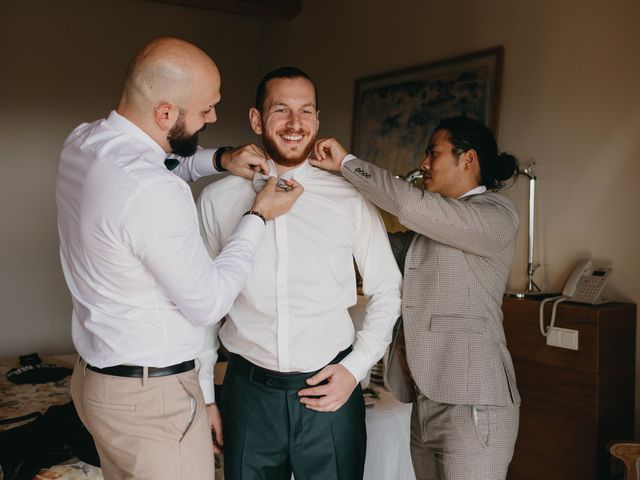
(284,9)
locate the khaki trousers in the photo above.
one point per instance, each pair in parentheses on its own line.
(144,427)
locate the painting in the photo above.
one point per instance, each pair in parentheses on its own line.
(396,112)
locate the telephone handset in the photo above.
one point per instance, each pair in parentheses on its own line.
(584,285)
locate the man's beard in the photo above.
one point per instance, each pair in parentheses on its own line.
(182,144)
(283,159)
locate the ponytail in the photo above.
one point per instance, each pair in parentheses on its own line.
(494,174)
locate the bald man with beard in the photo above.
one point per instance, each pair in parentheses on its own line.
(142,284)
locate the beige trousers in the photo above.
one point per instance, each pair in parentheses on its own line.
(462,442)
(144,428)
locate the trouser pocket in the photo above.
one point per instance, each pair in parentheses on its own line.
(181,404)
(482,418)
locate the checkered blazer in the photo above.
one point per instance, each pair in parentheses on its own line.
(455,261)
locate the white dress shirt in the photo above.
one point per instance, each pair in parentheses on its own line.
(474,191)
(142,284)
(292,315)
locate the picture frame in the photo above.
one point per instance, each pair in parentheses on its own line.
(394,113)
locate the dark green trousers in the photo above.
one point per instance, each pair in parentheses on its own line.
(268,433)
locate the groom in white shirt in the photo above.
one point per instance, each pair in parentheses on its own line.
(289,333)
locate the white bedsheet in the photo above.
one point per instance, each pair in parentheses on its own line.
(388,434)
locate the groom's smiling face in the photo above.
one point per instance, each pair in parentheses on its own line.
(288,121)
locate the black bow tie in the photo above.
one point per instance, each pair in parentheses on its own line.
(171,163)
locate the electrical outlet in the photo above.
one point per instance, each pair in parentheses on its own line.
(563,338)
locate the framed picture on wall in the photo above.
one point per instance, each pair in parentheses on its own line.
(395,113)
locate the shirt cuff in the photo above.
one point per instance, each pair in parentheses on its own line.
(208,390)
(346,159)
(203,162)
(356,362)
(250,228)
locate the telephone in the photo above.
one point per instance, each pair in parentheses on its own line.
(584,285)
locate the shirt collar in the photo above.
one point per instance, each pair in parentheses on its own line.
(116,121)
(296,173)
(474,191)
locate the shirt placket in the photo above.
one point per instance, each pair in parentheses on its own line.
(282,293)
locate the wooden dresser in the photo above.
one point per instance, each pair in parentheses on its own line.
(574,402)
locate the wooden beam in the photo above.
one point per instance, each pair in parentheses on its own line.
(285,9)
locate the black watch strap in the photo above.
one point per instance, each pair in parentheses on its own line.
(217,158)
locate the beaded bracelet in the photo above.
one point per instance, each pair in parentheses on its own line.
(257,214)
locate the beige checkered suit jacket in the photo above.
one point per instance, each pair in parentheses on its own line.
(458,257)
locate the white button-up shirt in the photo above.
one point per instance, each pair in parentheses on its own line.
(142,284)
(292,315)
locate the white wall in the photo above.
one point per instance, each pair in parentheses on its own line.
(62,63)
(570,101)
